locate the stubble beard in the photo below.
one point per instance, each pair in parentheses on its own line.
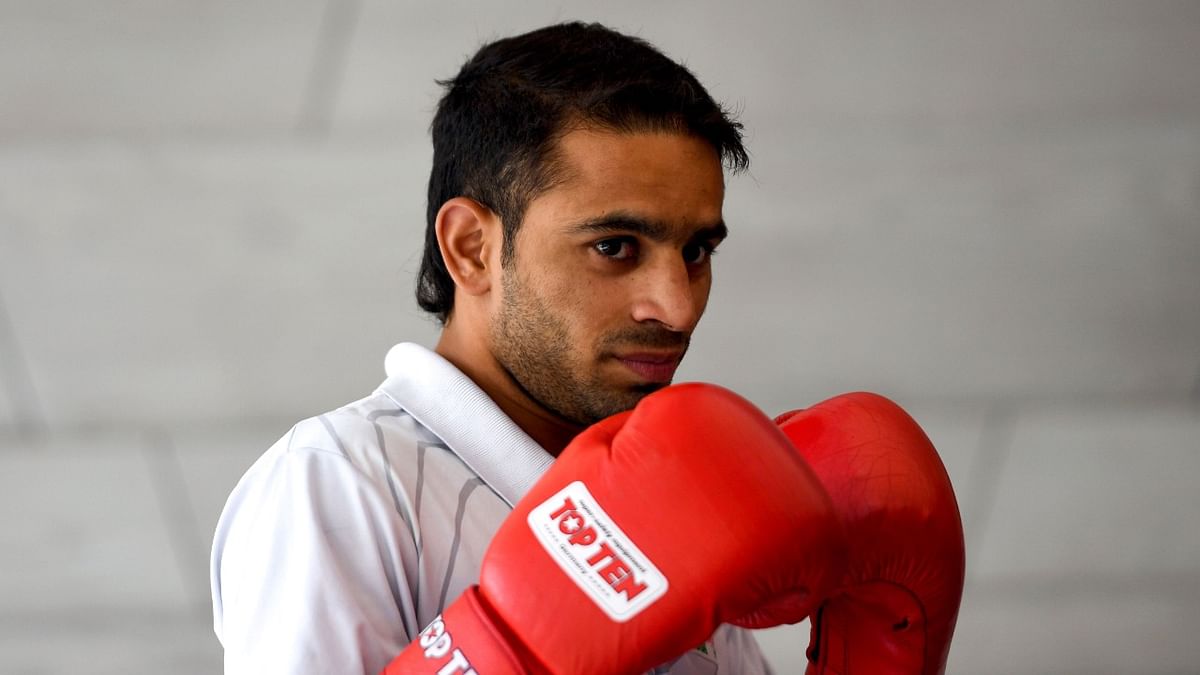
(533,345)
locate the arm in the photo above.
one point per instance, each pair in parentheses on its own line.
(310,568)
(651,529)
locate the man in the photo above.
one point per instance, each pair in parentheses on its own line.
(575,202)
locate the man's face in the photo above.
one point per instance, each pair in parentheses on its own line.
(611,272)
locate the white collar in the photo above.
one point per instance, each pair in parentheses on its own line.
(453,407)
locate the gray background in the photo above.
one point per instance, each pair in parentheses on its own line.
(211,213)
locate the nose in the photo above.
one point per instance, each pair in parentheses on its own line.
(667,292)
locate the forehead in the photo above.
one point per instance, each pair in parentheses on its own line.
(662,176)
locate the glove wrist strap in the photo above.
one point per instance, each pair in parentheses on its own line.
(462,640)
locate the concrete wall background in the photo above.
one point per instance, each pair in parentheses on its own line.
(210,216)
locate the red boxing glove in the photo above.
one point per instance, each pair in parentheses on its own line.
(650,530)
(894,612)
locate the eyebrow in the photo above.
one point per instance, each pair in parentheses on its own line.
(653,230)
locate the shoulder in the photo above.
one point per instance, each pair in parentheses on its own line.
(366,433)
(354,465)
(325,473)
(318,521)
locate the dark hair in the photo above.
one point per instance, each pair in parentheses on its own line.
(497,126)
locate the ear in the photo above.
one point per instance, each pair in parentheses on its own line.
(469,236)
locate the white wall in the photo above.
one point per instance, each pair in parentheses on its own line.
(211,214)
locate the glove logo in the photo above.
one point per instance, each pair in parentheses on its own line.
(436,642)
(595,553)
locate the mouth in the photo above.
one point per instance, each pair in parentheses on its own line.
(652,366)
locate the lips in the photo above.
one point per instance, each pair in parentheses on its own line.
(652,367)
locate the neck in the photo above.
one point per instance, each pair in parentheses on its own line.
(460,345)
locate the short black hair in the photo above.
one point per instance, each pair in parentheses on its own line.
(497,125)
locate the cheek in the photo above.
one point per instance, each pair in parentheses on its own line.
(590,308)
(590,304)
(700,290)
(567,283)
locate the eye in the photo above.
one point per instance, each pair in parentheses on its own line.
(617,249)
(698,252)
